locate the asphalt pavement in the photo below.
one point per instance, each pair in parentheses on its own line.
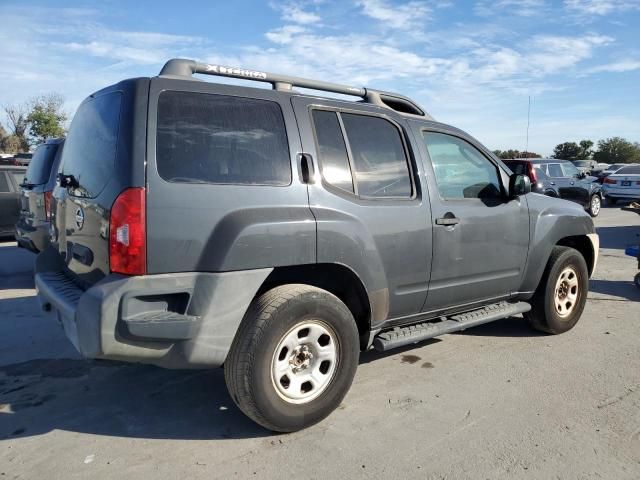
(496,401)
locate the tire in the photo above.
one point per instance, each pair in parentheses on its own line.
(636,280)
(611,201)
(565,270)
(594,210)
(268,368)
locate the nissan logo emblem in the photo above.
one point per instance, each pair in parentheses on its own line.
(79,218)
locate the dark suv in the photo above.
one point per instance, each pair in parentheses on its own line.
(32,229)
(560,178)
(279,233)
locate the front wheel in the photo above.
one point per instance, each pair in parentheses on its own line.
(294,357)
(594,205)
(561,295)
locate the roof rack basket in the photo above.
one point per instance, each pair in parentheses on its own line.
(179,67)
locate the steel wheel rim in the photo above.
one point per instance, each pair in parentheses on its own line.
(305,361)
(595,205)
(566,292)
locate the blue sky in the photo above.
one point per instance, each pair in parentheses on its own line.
(470,64)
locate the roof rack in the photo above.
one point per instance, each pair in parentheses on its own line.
(179,67)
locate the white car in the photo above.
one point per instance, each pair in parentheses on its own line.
(624,184)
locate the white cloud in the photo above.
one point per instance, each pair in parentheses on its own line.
(601,7)
(523,8)
(293,13)
(403,16)
(617,67)
(284,35)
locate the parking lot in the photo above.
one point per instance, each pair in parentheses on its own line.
(497,401)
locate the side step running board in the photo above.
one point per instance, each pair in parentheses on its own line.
(418,332)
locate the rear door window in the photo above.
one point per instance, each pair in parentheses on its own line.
(379,161)
(90,148)
(332,150)
(40,166)
(220,139)
(555,170)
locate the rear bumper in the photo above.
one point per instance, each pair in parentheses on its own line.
(32,238)
(630,193)
(179,320)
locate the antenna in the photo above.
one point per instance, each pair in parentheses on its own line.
(526,150)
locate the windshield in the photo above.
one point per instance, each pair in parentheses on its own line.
(41,163)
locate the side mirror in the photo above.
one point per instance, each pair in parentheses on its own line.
(519,185)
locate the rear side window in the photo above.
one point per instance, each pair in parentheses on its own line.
(205,138)
(4,183)
(91,144)
(40,166)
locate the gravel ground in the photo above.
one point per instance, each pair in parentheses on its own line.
(497,401)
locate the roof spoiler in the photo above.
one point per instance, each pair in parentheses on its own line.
(179,67)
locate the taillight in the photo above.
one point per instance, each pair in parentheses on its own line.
(127,233)
(532,174)
(47,205)
(610,181)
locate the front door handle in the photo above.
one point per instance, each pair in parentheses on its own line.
(448,220)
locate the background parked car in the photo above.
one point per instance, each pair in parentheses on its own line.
(10,179)
(22,159)
(624,184)
(560,178)
(614,167)
(32,229)
(599,168)
(585,166)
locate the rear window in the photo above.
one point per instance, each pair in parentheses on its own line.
(205,138)
(635,170)
(518,168)
(90,148)
(40,166)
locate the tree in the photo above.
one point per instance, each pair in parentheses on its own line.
(511,153)
(617,150)
(13,144)
(18,123)
(573,151)
(566,151)
(46,118)
(585,149)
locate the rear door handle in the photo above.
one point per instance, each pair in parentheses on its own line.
(447,220)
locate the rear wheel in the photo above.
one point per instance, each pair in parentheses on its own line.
(594,205)
(562,293)
(293,358)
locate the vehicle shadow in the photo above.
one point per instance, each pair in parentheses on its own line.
(506,327)
(115,399)
(619,237)
(616,288)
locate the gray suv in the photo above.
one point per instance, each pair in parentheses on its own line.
(280,234)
